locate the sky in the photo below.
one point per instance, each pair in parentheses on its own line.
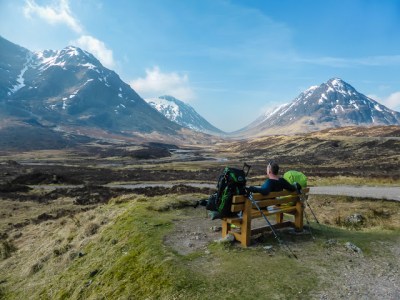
(231,60)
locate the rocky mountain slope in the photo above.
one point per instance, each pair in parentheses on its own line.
(182,114)
(331,104)
(70,87)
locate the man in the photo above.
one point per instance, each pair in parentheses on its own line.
(274,183)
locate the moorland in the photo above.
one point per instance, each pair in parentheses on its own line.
(119,220)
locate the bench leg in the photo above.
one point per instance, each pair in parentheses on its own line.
(246,224)
(226,227)
(279,218)
(298,217)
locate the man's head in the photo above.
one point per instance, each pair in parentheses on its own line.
(273,168)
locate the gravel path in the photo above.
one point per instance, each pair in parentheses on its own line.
(376,192)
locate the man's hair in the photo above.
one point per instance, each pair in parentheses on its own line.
(274,167)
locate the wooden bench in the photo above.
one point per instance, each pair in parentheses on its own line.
(276,203)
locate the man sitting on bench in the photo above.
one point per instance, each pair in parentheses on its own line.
(274,183)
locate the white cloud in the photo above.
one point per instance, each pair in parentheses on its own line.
(53,14)
(97,48)
(157,84)
(393,101)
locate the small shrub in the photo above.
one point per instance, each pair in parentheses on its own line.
(36,267)
(349,199)
(6,249)
(338,220)
(2,293)
(62,250)
(39,265)
(91,229)
(380,213)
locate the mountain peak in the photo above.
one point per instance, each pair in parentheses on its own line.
(340,86)
(336,81)
(334,103)
(70,55)
(182,113)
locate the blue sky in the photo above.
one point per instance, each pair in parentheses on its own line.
(230,59)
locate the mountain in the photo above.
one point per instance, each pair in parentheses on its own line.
(70,87)
(331,104)
(182,114)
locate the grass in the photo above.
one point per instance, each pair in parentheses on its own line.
(117,252)
(377,213)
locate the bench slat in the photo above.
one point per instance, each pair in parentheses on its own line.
(236,207)
(255,213)
(272,195)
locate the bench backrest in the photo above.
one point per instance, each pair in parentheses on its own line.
(267,200)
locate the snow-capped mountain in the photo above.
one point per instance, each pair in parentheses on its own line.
(331,104)
(182,114)
(71,87)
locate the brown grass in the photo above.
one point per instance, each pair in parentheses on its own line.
(333,210)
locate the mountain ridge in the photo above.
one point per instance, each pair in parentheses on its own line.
(69,89)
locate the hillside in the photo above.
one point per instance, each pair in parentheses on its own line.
(348,151)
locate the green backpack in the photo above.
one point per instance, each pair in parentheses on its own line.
(296,176)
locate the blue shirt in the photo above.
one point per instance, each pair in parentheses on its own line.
(273,185)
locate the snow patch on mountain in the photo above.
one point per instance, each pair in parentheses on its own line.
(170,109)
(182,114)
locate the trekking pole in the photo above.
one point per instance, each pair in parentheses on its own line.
(245,165)
(304,199)
(308,223)
(270,225)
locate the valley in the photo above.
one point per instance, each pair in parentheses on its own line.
(62,204)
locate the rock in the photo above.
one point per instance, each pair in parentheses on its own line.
(93,273)
(353,248)
(216,228)
(228,239)
(331,242)
(355,219)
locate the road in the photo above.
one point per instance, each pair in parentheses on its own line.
(376,192)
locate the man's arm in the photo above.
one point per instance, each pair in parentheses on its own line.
(265,189)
